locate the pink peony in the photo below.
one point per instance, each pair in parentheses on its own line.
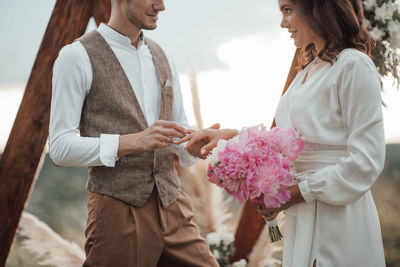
(289,144)
(256,165)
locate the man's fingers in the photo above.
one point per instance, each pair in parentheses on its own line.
(171,133)
(172,125)
(161,144)
(190,131)
(160,141)
(182,140)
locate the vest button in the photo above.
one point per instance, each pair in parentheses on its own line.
(155,171)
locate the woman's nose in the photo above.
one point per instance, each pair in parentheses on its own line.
(284,23)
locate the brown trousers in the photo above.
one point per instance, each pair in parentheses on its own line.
(118,234)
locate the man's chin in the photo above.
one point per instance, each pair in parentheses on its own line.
(143,25)
(149,27)
(152,28)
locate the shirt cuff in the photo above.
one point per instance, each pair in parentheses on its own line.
(185,158)
(305,191)
(109,149)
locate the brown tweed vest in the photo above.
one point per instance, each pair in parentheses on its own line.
(111,107)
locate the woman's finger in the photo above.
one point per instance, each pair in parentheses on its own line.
(215,126)
(203,156)
(271,216)
(207,148)
(265,211)
(196,137)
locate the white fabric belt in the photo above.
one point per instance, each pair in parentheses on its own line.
(315,157)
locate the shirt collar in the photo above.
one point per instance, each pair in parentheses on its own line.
(118,37)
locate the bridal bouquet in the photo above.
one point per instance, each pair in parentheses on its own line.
(255,166)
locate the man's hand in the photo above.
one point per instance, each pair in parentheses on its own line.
(158,135)
(295,198)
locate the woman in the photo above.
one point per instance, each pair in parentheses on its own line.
(334,104)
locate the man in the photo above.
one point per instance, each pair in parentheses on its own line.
(112,84)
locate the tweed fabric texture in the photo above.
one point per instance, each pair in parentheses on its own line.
(111,107)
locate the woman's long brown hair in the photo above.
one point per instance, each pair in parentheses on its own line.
(339,22)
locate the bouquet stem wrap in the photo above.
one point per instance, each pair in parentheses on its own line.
(274,232)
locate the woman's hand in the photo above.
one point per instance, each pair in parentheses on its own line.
(210,136)
(295,198)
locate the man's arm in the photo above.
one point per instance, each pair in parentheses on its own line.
(72,77)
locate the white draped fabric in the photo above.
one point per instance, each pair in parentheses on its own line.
(337,111)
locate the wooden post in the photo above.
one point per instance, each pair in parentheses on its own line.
(251,223)
(101,10)
(25,145)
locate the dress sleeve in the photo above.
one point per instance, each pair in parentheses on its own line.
(359,94)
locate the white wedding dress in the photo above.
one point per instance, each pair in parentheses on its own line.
(337,111)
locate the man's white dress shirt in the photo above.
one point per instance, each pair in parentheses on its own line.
(72,79)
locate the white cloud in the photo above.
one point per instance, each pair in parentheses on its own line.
(248,91)
(10,99)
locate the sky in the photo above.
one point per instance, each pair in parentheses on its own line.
(240,54)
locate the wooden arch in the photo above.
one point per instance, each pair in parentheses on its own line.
(23,152)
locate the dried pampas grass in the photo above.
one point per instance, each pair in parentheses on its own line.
(195,96)
(211,209)
(48,247)
(210,206)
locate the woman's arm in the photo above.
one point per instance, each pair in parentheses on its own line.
(271,213)
(208,136)
(359,94)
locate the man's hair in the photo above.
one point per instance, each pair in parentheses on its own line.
(339,22)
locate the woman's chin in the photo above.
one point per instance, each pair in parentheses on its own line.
(297,45)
